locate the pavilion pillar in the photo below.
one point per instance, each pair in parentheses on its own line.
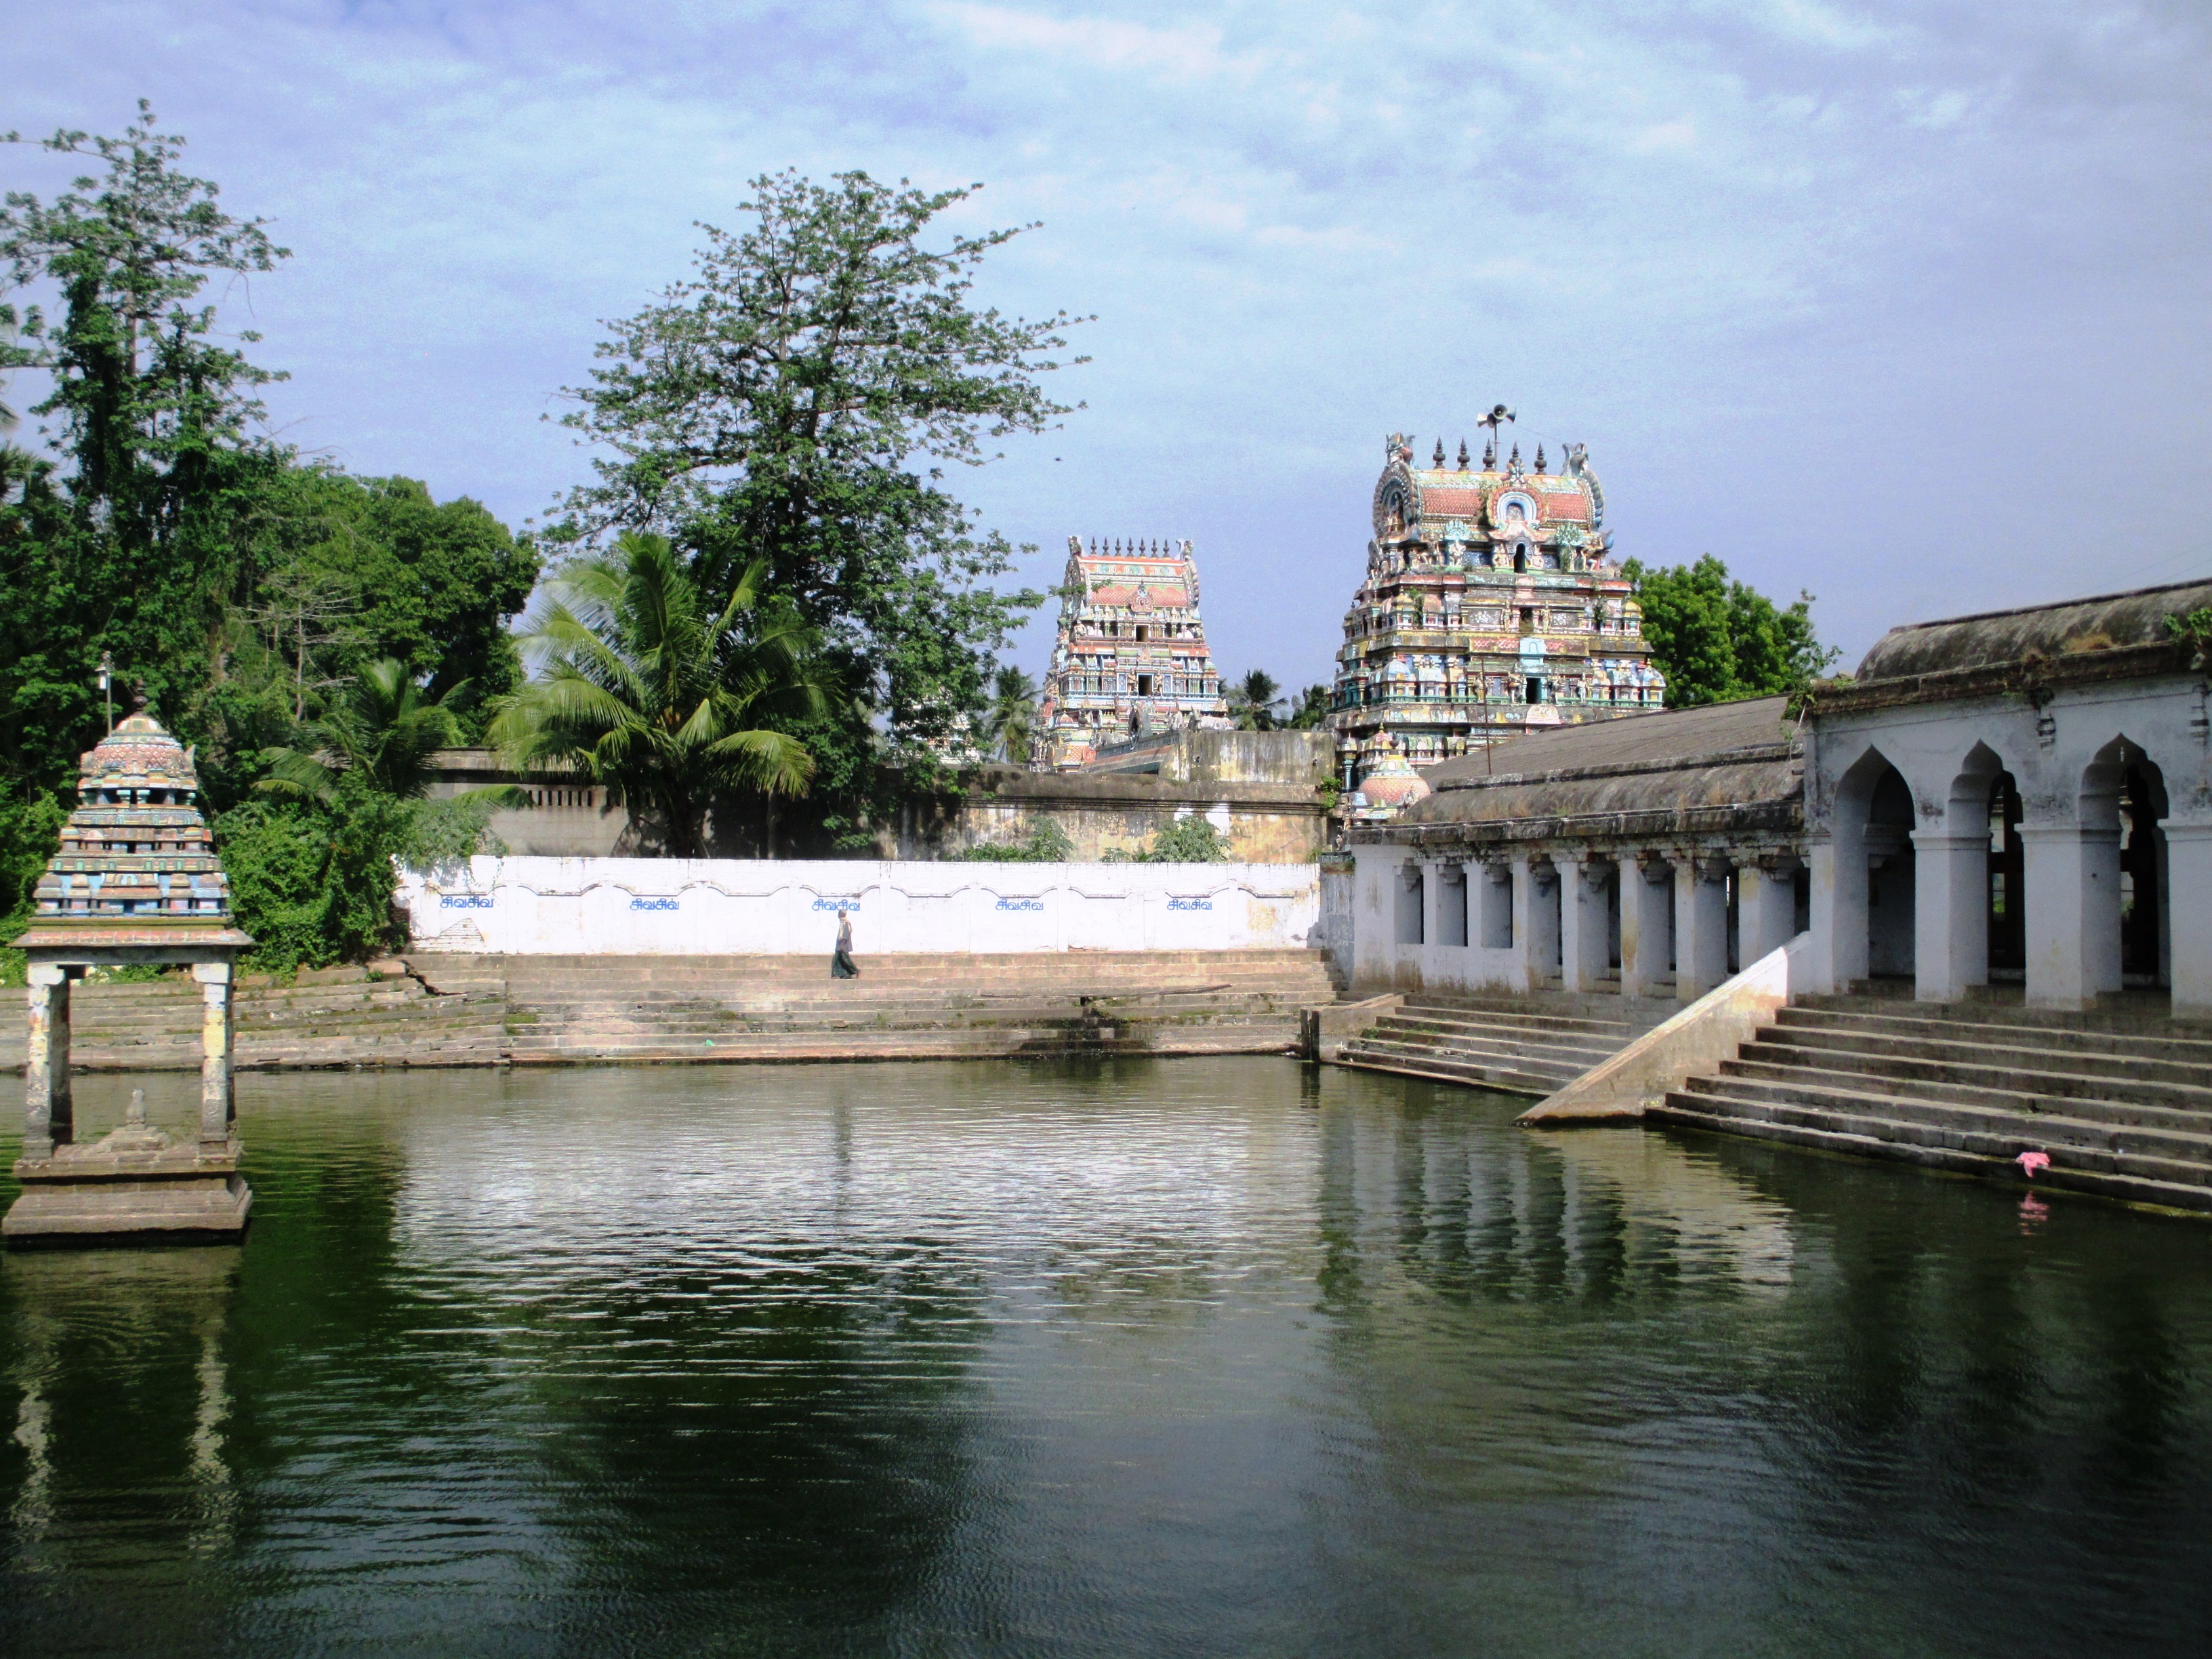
(218,1021)
(1583,922)
(1700,926)
(1839,909)
(1529,956)
(1646,901)
(49,1110)
(1767,908)
(2189,870)
(1951,913)
(2072,875)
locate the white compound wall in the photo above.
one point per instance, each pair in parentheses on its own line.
(678,907)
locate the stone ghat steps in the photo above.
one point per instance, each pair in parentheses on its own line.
(488,1011)
(2121,1103)
(1523,1045)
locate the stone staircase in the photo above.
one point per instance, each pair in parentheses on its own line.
(2121,1100)
(339,1017)
(1528,1045)
(734,1008)
(484,1010)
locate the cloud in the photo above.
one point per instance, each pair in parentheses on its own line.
(1806,276)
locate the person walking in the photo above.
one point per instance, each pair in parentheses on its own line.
(841,960)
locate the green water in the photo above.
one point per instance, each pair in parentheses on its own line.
(1198,1357)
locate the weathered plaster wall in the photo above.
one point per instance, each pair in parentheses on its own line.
(1109,813)
(731,906)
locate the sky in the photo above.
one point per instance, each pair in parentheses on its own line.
(1908,305)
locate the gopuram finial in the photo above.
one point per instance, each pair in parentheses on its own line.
(1540,457)
(1440,452)
(1462,454)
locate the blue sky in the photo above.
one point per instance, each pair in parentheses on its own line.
(1906,304)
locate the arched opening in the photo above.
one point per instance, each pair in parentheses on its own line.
(2008,900)
(1891,883)
(2126,920)
(1871,888)
(1521,558)
(1413,896)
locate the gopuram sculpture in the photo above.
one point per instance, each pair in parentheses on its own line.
(136,881)
(1492,607)
(1131,660)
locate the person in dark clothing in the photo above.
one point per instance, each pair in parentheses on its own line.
(841,960)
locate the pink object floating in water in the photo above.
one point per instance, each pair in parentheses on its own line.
(2031,1162)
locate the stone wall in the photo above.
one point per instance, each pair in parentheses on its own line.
(1262,789)
(523,906)
(1103,812)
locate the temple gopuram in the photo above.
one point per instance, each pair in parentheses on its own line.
(1131,661)
(1491,608)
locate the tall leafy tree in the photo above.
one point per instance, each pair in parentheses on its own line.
(794,404)
(653,691)
(1717,640)
(137,548)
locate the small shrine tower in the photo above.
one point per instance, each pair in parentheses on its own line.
(136,880)
(1491,607)
(1132,659)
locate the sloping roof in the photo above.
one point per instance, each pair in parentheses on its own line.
(1674,770)
(1661,735)
(2071,629)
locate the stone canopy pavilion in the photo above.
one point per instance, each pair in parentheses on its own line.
(137,881)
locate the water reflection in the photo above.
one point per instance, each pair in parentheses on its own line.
(1106,1358)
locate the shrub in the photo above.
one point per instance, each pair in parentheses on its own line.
(1046,843)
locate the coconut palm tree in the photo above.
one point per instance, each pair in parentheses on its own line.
(645,689)
(1010,722)
(1253,701)
(383,728)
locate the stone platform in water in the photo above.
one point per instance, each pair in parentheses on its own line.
(136,1185)
(471,1009)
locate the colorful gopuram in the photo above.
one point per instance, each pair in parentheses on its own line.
(1131,660)
(1492,607)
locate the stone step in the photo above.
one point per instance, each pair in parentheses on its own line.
(1995,1130)
(2124,1064)
(1987,1069)
(1998,1146)
(1888,1137)
(2119,1018)
(1608,1035)
(2027,1103)
(2047,1038)
(1594,1048)
(1506,1079)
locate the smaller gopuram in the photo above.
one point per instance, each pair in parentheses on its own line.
(1491,608)
(136,881)
(1131,661)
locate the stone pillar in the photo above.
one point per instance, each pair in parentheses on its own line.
(2189,870)
(1950,913)
(1646,896)
(218,1094)
(1700,926)
(2073,880)
(49,1111)
(1546,912)
(1528,973)
(1765,908)
(1840,918)
(1582,922)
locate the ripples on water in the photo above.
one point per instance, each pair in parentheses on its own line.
(1187,1357)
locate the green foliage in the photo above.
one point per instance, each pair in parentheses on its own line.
(1310,712)
(653,691)
(792,406)
(383,731)
(30,830)
(1009,724)
(2193,627)
(1717,641)
(1187,841)
(1253,699)
(1045,844)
